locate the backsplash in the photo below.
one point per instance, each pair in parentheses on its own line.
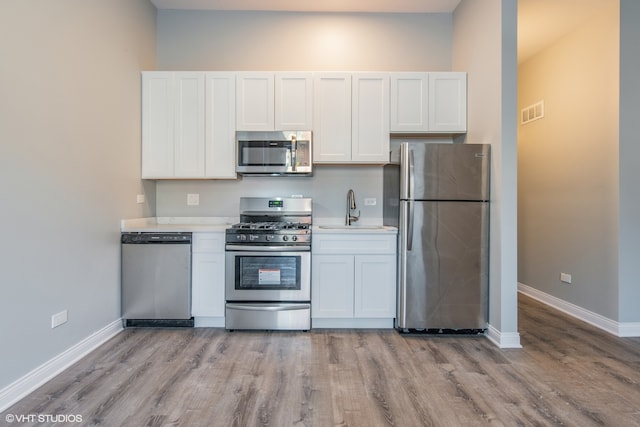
(328,187)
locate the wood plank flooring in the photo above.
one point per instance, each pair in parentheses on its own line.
(567,374)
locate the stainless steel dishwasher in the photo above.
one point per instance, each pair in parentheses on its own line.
(156,279)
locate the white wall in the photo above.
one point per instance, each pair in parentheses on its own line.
(69,167)
(568,164)
(484,45)
(189,40)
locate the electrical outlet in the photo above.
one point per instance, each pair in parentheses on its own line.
(58,319)
(565,277)
(140,198)
(193,199)
(370,201)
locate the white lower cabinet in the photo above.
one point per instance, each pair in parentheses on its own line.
(353,280)
(207,279)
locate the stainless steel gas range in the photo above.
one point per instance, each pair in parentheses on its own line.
(268,265)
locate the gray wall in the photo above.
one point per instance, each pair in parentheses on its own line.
(629,221)
(484,45)
(568,165)
(233,41)
(69,167)
(189,40)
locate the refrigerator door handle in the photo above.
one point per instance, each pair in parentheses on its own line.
(406,172)
(410,206)
(412,174)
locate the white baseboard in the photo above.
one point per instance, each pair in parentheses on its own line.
(20,388)
(503,339)
(628,329)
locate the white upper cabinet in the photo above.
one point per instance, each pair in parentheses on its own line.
(370,118)
(448,102)
(293,101)
(409,102)
(429,102)
(268,101)
(157,124)
(254,97)
(188,125)
(172,124)
(220,140)
(351,118)
(331,117)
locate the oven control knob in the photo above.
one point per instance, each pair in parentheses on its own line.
(268,238)
(294,238)
(243,237)
(285,238)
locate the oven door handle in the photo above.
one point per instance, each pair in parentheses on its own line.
(251,248)
(283,307)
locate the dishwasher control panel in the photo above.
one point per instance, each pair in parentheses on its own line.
(142,238)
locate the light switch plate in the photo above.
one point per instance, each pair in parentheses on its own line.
(193,199)
(140,198)
(370,201)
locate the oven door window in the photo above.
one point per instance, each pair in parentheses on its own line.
(268,272)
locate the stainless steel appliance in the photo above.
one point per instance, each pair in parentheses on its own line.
(274,153)
(156,279)
(268,265)
(438,197)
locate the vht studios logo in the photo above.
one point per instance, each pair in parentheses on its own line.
(43,418)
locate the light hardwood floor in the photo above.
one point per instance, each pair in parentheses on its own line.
(568,374)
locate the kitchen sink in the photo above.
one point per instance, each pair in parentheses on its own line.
(352,227)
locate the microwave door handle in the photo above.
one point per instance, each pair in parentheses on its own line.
(294,153)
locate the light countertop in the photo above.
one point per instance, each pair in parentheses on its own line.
(177,224)
(364,225)
(219,224)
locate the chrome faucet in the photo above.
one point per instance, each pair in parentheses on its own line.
(351,205)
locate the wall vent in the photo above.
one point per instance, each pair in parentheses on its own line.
(532,112)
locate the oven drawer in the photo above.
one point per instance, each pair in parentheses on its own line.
(276,316)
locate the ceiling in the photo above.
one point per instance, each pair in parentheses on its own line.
(540,22)
(374,6)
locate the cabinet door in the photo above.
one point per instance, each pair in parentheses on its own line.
(207,285)
(375,286)
(332,286)
(255,101)
(409,102)
(331,118)
(370,118)
(157,124)
(220,134)
(189,125)
(448,102)
(293,103)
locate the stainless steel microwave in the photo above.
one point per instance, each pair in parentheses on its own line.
(274,153)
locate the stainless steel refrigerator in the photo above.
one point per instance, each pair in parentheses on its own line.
(437,194)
